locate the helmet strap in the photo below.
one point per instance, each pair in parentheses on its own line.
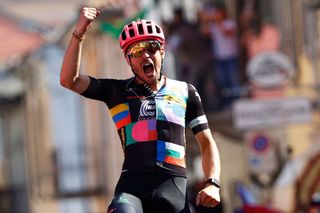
(159,79)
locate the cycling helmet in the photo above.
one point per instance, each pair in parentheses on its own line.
(140,30)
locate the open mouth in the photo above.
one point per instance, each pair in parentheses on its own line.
(148,67)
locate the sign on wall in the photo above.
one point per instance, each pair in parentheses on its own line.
(263,161)
(270,69)
(266,113)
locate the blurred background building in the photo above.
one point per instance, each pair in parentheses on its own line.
(60,152)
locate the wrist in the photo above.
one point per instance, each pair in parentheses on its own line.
(213,181)
(77,35)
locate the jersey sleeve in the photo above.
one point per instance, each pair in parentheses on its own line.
(99,89)
(195,117)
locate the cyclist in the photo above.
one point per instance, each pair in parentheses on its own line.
(150,112)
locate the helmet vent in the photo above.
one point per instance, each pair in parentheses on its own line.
(149,28)
(148,22)
(130,25)
(123,35)
(158,29)
(131,33)
(140,29)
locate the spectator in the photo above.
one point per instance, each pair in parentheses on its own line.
(223,32)
(260,37)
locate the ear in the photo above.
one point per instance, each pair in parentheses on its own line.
(162,52)
(129,63)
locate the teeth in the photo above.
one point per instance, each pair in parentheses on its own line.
(147,64)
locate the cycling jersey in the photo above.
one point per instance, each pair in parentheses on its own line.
(151,126)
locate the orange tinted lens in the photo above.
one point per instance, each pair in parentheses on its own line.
(137,50)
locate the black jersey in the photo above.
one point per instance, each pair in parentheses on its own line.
(151,126)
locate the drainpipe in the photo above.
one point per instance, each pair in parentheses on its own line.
(313,7)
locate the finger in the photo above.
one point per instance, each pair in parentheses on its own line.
(93,13)
(92,10)
(208,201)
(205,201)
(212,203)
(87,14)
(89,11)
(90,16)
(201,198)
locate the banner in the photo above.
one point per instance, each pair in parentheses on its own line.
(114,28)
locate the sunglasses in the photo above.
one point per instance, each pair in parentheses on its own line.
(136,51)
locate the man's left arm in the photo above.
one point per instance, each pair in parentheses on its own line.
(209,196)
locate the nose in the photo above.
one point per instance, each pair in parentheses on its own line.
(145,53)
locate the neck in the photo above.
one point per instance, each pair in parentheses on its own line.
(155,86)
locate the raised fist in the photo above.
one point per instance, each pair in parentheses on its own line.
(87,16)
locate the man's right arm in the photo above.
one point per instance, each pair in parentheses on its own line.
(70,77)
